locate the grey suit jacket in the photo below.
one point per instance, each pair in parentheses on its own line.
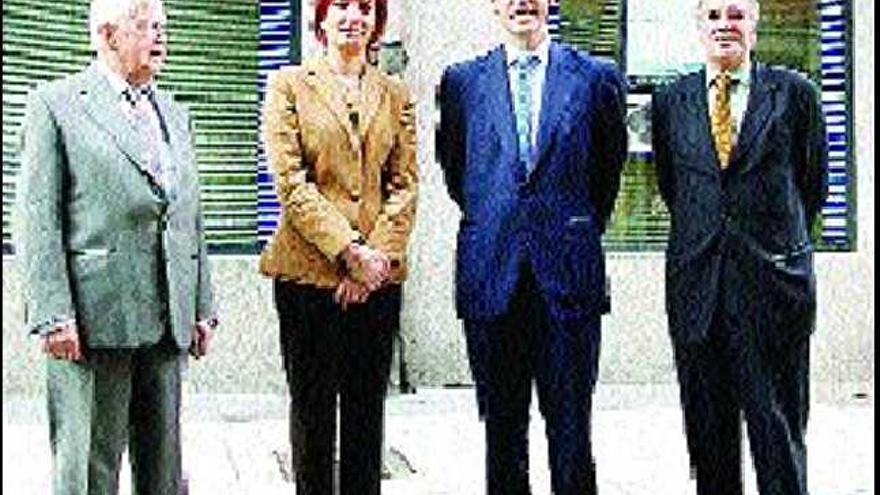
(99,240)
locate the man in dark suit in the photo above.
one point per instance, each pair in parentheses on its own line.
(532,142)
(113,251)
(741,162)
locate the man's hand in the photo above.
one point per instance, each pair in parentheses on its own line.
(349,292)
(367,265)
(201,336)
(63,343)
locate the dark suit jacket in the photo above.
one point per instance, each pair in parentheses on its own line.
(554,217)
(739,240)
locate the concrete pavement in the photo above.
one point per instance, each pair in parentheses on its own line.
(237,444)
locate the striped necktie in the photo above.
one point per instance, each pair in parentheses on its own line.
(145,121)
(722,122)
(525,69)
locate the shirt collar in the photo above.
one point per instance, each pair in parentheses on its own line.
(542,51)
(117,82)
(742,75)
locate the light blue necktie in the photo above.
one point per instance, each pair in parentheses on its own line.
(525,66)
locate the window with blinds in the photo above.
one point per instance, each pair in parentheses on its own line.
(211,68)
(639,220)
(280,24)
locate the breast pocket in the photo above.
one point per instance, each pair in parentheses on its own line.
(89,263)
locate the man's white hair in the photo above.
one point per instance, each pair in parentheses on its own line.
(112,12)
(756,7)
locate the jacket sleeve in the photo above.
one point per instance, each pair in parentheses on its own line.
(610,142)
(308,211)
(40,224)
(205,293)
(813,166)
(660,146)
(450,142)
(400,184)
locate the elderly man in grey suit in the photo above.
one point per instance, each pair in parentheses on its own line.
(112,246)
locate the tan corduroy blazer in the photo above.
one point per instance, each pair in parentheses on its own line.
(338,180)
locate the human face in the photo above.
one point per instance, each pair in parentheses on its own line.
(522,18)
(140,44)
(728,31)
(349,24)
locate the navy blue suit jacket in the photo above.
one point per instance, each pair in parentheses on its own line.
(740,240)
(551,219)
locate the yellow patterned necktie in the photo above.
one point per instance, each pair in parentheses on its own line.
(722,123)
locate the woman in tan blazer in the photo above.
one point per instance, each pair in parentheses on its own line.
(341,141)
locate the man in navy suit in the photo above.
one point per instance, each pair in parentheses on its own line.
(741,162)
(532,142)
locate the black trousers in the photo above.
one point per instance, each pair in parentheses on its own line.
(531,345)
(736,371)
(328,352)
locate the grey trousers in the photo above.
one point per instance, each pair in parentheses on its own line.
(113,399)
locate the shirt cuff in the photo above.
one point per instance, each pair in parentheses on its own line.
(212,322)
(51,325)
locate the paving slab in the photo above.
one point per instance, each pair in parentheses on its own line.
(237,444)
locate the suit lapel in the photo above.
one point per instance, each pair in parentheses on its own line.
(170,121)
(758,111)
(174,129)
(373,92)
(496,90)
(324,84)
(695,121)
(555,97)
(102,105)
